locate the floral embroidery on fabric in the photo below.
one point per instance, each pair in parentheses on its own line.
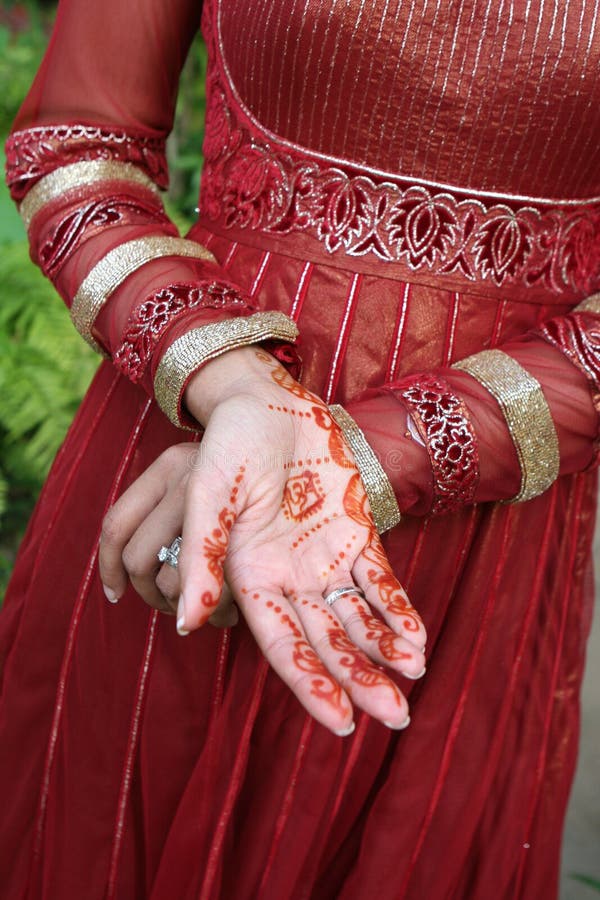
(149,321)
(34,152)
(443,423)
(85,221)
(577,335)
(261,186)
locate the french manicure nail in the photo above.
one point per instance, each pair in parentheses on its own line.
(415,677)
(401,727)
(110,595)
(181,629)
(346,731)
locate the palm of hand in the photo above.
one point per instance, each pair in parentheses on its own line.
(286,530)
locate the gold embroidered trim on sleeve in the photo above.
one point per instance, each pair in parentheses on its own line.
(590,304)
(77,175)
(199,345)
(382,499)
(527,415)
(116,266)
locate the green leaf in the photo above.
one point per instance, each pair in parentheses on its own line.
(587,879)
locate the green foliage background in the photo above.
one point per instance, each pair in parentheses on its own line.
(45,367)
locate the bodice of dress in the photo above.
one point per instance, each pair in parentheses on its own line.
(457,142)
(494,95)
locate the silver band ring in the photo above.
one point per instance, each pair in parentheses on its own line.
(341,592)
(169,555)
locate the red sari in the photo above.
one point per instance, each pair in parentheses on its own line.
(411,183)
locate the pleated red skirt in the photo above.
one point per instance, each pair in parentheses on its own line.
(138,764)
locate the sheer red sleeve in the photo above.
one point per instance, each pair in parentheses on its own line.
(501,428)
(86,162)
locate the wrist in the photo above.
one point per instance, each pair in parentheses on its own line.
(234,372)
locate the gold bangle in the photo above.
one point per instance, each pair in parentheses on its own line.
(527,415)
(590,304)
(199,345)
(76,175)
(384,506)
(116,266)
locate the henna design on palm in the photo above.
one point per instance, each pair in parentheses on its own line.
(303,496)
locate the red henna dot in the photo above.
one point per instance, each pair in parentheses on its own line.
(315,606)
(255,596)
(326,459)
(305,603)
(342,554)
(326,519)
(270,604)
(319,525)
(295,544)
(216,532)
(299,463)
(271,406)
(331,566)
(277,609)
(309,462)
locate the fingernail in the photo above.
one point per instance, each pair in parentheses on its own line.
(181,629)
(346,731)
(415,677)
(110,595)
(401,727)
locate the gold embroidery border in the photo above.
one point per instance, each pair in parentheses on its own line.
(527,415)
(199,345)
(112,270)
(382,499)
(77,175)
(590,304)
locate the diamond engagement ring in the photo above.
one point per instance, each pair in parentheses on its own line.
(341,592)
(169,555)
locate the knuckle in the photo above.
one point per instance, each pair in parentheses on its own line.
(111,527)
(281,642)
(132,562)
(176,457)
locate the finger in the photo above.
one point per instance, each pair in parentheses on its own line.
(372,571)
(211,507)
(125,516)
(374,637)
(140,555)
(226,614)
(168,583)
(280,636)
(366,683)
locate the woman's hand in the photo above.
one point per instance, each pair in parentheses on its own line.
(274,503)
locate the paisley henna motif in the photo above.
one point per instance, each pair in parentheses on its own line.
(376,630)
(323,686)
(361,672)
(338,447)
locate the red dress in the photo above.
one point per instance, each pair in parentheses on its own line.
(413,183)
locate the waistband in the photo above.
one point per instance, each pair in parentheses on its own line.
(268,195)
